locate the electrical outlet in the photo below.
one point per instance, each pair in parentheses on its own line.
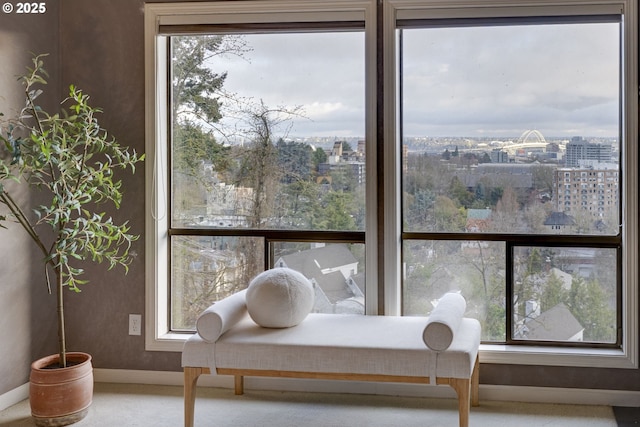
(135,324)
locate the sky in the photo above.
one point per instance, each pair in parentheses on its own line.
(562,80)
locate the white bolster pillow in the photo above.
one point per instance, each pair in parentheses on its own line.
(221,316)
(444,321)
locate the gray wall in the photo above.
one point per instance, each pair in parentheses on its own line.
(101,50)
(27,312)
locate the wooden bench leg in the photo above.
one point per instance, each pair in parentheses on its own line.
(239,384)
(463,390)
(190,381)
(475,384)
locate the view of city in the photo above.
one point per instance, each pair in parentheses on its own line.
(244,163)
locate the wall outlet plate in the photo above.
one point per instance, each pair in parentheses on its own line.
(135,324)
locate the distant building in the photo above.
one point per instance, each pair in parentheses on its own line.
(580,149)
(555,324)
(559,221)
(514,175)
(227,200)
(478,220)
(335,156)
(553,147)
(588,190)
(333,270)
(352,162)
(498,155)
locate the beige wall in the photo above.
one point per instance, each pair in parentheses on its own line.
(101,50)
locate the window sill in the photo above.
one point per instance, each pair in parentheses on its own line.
(172,342)
(556,356)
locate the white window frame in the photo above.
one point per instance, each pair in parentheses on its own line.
(157,334)
(627,355)
(158,337)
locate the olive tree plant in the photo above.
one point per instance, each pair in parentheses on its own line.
(72,161)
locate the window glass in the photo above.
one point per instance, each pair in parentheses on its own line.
(268,131)
(564,294)
(205,269)
(512,131)
(336,271)
(476,269)
(497,120)
(267,136)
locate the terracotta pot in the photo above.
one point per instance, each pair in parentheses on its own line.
(60,396)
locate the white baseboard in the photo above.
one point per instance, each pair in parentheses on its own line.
(487,392)
(14,396)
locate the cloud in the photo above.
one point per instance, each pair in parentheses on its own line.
(460,81)
(321,72)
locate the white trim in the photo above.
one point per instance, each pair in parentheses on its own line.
(630,272)
(487,392)
(155,195)
(627,356)
(501,393)
(554,356)
(157,336)
(371,142)
(14,396)
(391,163)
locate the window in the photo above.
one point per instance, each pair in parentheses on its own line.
(497,79)
(260,158)
(264,142)
(464,156)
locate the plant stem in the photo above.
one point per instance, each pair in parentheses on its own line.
(34,112)
(22,220)
(61,335)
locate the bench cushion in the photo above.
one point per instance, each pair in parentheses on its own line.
(332,343)
(444,321)
(221,316)
(279,298)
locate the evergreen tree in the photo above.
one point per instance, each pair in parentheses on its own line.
(588,303)
(319,156)
(294,159)
(196,94)
(553,293)
(336,212)
(197,89)
(419,209)
(447,216)
(459,192)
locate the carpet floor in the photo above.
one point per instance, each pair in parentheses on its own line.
(128,405)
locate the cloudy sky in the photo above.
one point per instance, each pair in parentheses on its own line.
(562,80)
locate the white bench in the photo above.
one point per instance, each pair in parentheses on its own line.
(333,347)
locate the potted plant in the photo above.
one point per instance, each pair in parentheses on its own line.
(68,158)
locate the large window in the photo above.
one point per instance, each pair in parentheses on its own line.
(267,137)
(509,129)
(488,150)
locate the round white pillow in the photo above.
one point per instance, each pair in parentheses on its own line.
(279,298)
